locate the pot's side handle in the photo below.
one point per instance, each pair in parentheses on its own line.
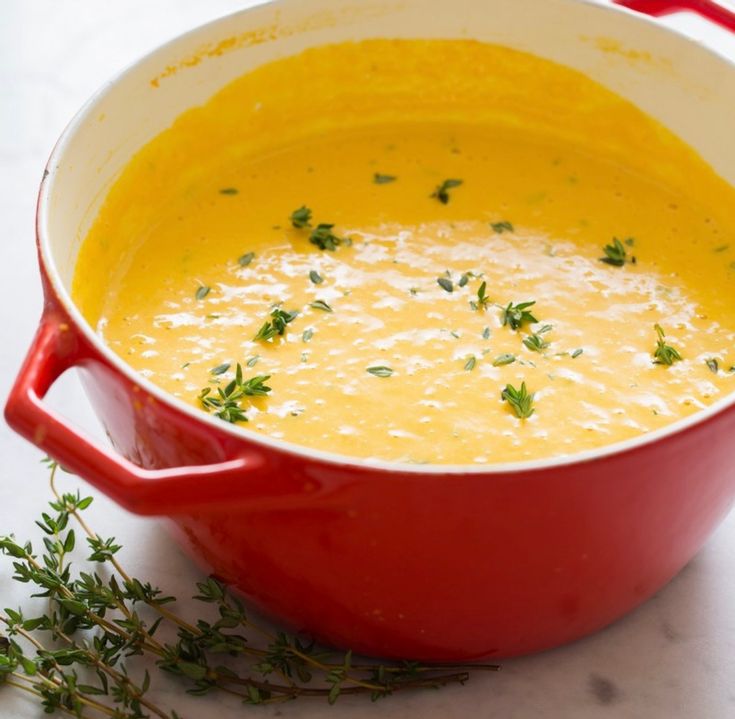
(55,349)
(710,9)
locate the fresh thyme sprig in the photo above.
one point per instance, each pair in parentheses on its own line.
(98,632)
(516,315)
(520,401)
(276,326)
(664,353)
(227,402)
(616,254)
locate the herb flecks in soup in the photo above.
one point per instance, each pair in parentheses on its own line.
(416,251)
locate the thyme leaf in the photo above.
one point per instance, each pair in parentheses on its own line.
(442,191)
(482,300)
(246,259)
(323,237)
(501,227)
(321,305)
(516,315)
(535,342)
(520,401)
(616,254)
(380,179)
(202,292)
(380,371)
(664,353)
(276,325)
(445,283)
(301,217)
(504,359)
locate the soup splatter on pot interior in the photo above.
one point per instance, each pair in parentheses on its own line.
(420,251)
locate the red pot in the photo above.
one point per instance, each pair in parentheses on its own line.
(433,563)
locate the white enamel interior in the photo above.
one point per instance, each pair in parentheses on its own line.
(687,87)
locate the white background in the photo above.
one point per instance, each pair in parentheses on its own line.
(673,658)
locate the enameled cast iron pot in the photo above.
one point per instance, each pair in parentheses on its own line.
(433,563)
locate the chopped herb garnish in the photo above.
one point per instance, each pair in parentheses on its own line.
(482,299)
(501,227)
(252,361)
(380,179)
(486,333)
(228,191)
(220,369)
(276,325)
(713,364)
(470,364)
(321,305)
(308,334)
(246,259)
(380,371)
(226,403)
(315,277)
(323,237)
(616,254)
(576,353)
(202,292)
(442,191)
(664,353)
(520,401)
(185,365)
(463,280)
(504,359)
(722,248)
(301,218)
(516,315)
(535,342)
(445,283)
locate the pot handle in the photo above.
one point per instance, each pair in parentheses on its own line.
(56,348)
(710,9)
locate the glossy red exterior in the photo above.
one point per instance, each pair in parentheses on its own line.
(432,566)
(710,9)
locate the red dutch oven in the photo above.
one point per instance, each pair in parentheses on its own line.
(428,562)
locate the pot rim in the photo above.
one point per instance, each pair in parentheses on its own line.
(64,299)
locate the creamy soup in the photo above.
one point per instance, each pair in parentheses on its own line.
(420,251)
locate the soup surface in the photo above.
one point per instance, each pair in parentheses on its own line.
(420,251)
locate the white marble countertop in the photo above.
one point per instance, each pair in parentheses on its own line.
(673,658)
